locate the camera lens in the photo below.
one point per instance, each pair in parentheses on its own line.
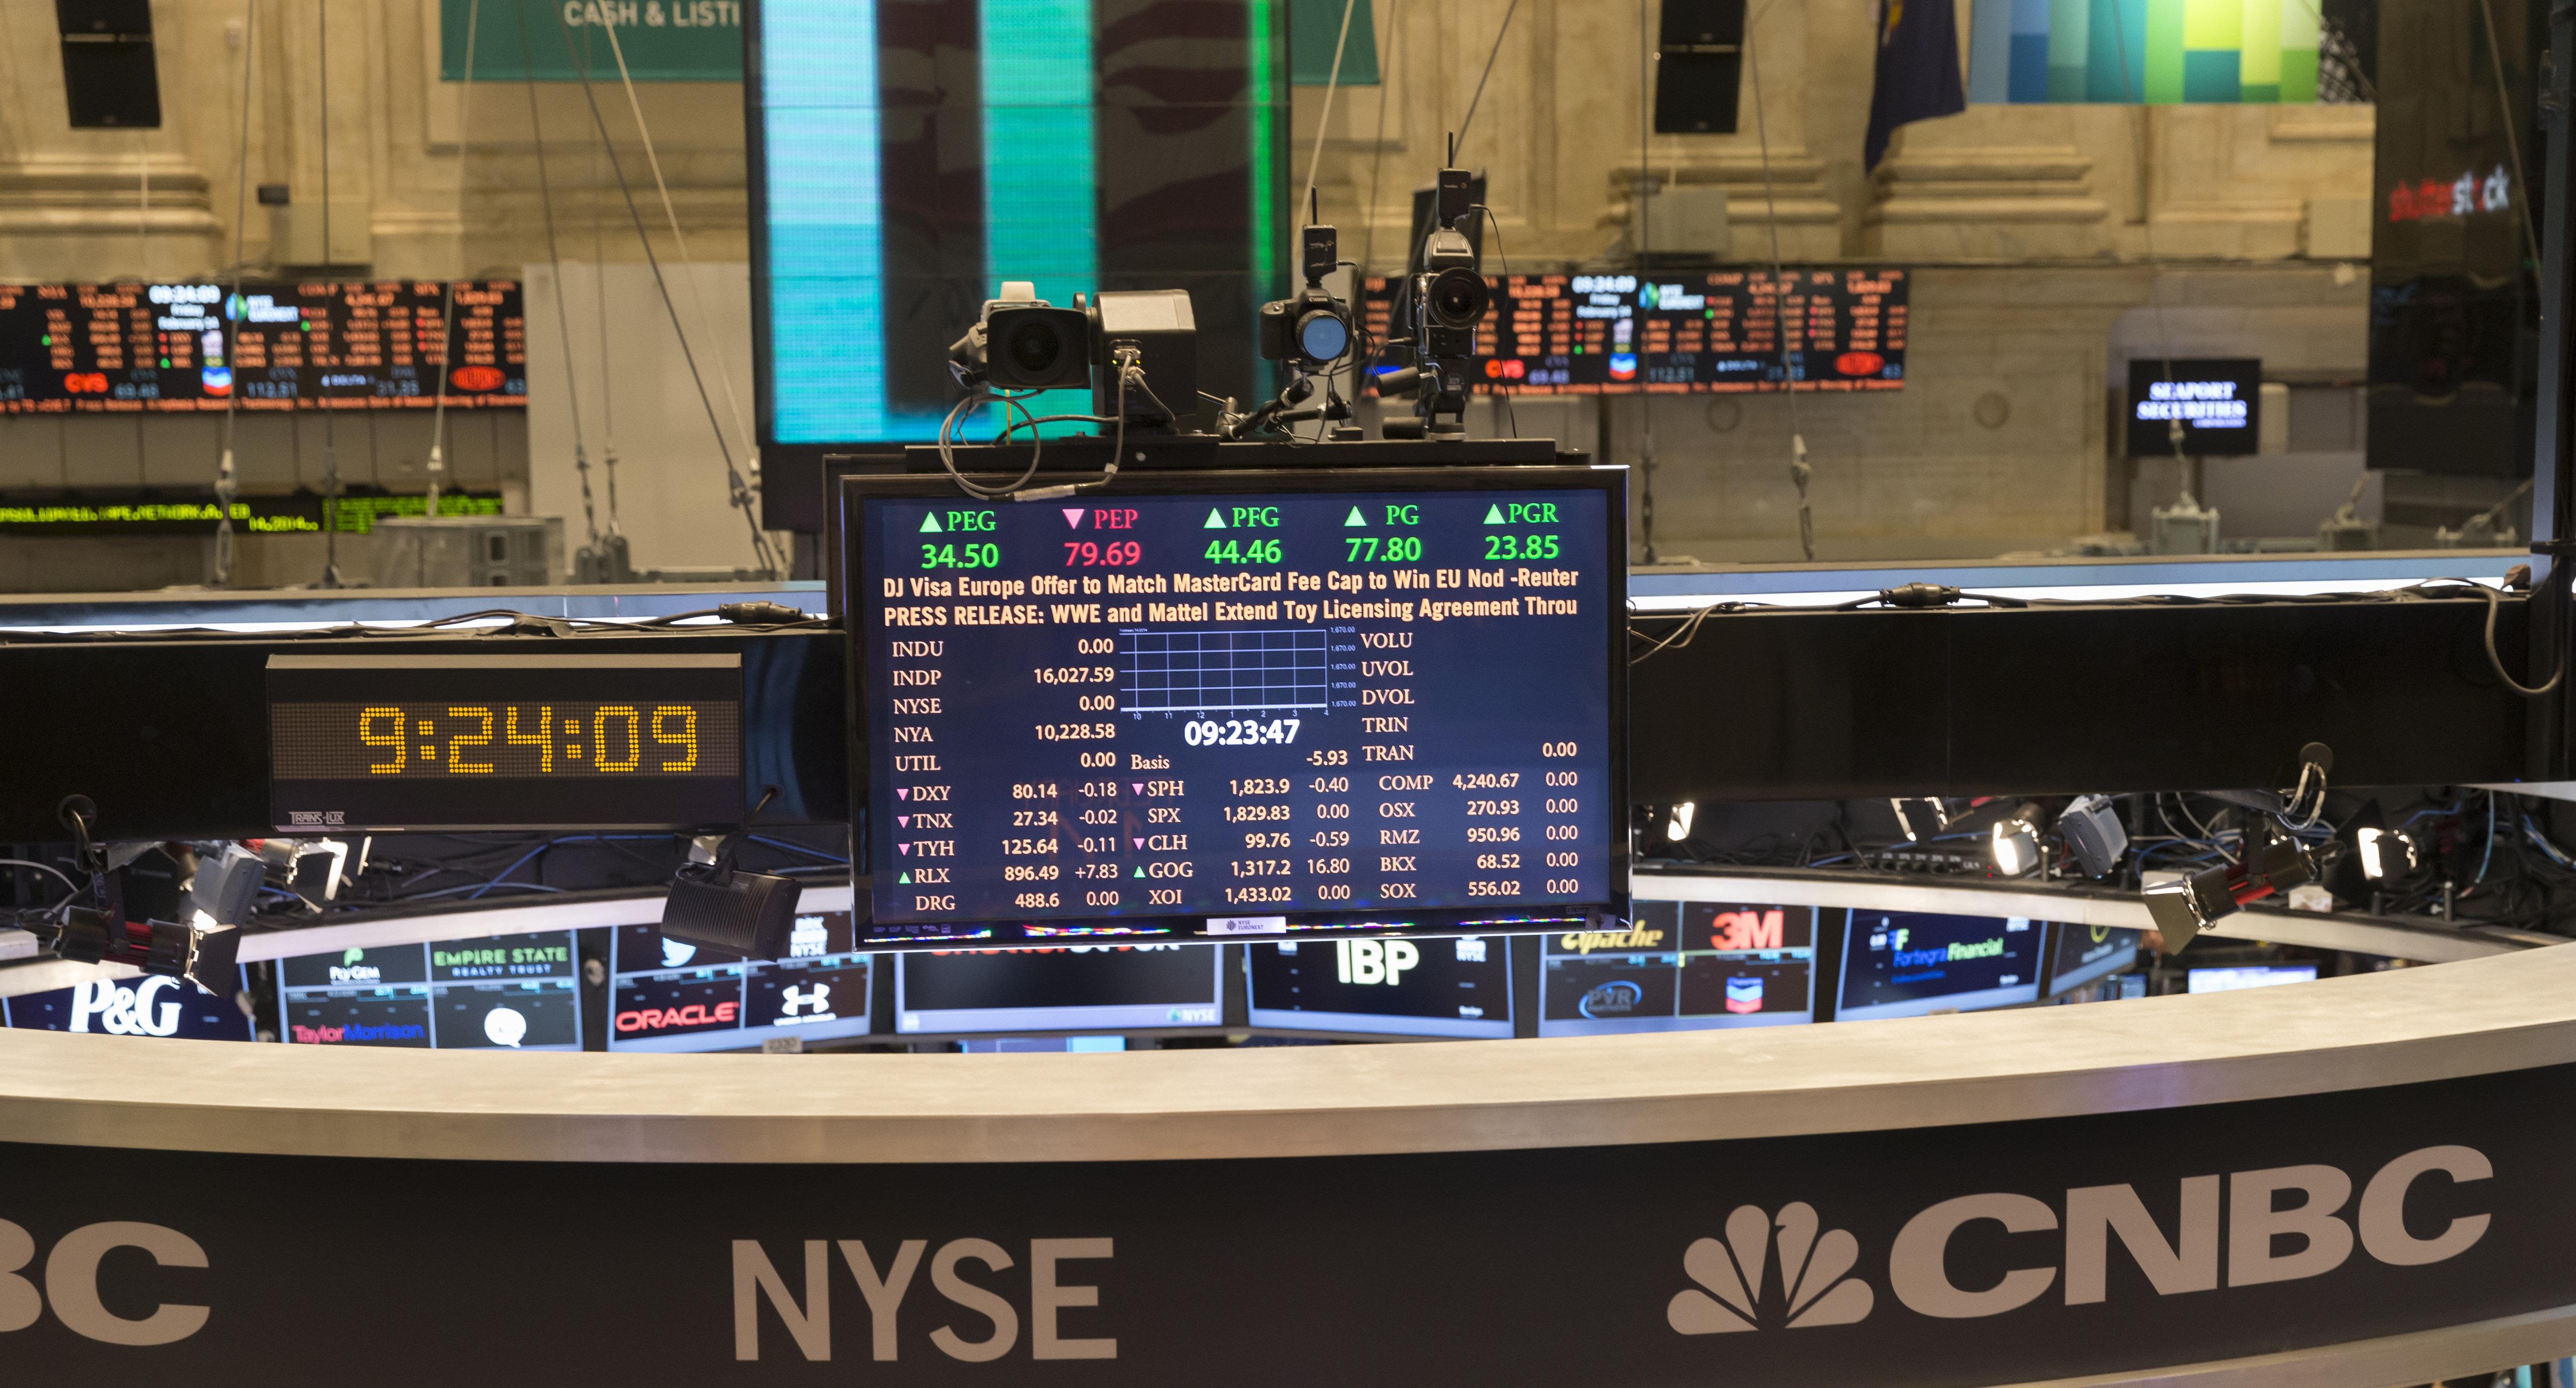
(1034,347)
(1458,298)
(1323,337)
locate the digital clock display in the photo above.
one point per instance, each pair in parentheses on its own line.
(1271,710)
(446,742)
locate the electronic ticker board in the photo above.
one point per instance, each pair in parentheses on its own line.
(1676,331)
(1340,702)
(180,348)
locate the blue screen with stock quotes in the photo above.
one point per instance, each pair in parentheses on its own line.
(1247,707)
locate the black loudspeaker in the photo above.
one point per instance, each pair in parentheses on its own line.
(1701,24)
(1695,93)
(109,74)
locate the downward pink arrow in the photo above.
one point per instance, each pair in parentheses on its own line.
(1073,516)
(904,819)
(1139,785)
(1140,843)
(903,792)
(903,848)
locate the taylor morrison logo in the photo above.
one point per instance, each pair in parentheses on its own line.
(1730,1274)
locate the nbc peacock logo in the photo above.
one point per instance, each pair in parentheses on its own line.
(1731,1275)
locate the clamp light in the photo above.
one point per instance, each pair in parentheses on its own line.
(2016,844)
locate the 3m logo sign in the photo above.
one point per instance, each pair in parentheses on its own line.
(1730,1274)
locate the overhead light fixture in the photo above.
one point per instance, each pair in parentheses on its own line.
(2093,833)
(2272,862)
(2016,842)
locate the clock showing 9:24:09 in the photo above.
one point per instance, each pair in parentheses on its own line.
(448,742)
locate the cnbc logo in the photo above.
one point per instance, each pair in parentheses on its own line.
(2276,1224)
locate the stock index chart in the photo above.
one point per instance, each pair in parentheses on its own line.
(1245,708)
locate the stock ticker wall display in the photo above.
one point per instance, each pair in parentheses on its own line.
(177,348)
(667,995)
(902,170)
(1907,964)
(1459,986)
(154,1006)
(514,992)
(1681,966)
(1103,987)
(1678,331)
(1350,705)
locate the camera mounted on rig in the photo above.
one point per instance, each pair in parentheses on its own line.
(1022,342)
(1438,309)
(1145,340)
(1311,334)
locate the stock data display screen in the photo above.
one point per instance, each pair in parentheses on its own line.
(1908,964)
(668,995)
(154,1006)
(1457,987)
(1684,331)
(1681,966)
(425,742)
(1075,988)
(1241,709)
(512,992)
(176,348)
(2085,953)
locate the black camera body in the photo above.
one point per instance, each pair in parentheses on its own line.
(1158,329)
(1445,299)
(1022,342)
(1313,330)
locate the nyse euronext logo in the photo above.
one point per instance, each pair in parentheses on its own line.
(2282,1224)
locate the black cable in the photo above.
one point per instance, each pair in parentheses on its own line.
(1506,258)
(2495,606)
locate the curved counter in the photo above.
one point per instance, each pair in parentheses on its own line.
(2357,1180)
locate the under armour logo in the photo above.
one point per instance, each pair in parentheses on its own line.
(816,998)
(1730,1274)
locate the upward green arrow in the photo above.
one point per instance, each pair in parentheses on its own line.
(1494,515)
(1356,518)
(930,524)
(1216,520)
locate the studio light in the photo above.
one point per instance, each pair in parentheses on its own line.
(2016,843)
(2093,834)
(719,906)
(2385,853)
(1678,827)
(2273,862)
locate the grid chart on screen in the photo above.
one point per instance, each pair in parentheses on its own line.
(1209,671)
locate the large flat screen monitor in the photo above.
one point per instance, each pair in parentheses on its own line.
(513,992)
(1215,705)
(2249,976)
(1151,987)
(1681,966)
(154,1006)
(2084,954)
(1908,964)
(1458,987)
(667,995)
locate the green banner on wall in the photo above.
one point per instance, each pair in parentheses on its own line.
(663,40)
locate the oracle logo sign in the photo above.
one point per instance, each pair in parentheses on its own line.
(71,1282)
(665,1018)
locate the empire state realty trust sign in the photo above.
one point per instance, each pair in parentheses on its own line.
(1991,1253)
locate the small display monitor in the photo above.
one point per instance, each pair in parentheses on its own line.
(2087,953)
(1458,987)
(498,992)
(1681,966)
(1908,964)
(153,1006)
(2249,976)
(1144,987)
(668,995)
(1363,702)
(2218,402)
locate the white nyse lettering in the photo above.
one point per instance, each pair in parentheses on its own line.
(2252,1222)
(884,1294)
(1045,1296)
(2383,1207)
(1006,1322)
(1915,1268)
(71,1283)
(810,1325)
(2094,1212)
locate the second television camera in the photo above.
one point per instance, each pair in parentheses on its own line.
(1443,299)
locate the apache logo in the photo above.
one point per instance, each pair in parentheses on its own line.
(1586,941)
(1730,1274)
